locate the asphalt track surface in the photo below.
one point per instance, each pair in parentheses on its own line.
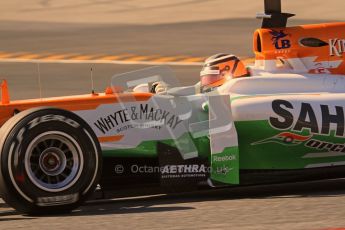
(314,205)
(305,206)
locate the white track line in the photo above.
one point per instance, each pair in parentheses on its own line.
(19,60)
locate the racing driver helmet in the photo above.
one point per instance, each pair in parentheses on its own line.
(220,68)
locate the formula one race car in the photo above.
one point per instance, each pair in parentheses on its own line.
(283,123)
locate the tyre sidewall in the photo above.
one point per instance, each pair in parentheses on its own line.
(20,191)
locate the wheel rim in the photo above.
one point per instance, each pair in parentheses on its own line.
(53,161)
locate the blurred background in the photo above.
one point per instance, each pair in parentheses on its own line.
(69,37)
(134,30)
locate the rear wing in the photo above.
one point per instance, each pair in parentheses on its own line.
(5,96)
(273,16)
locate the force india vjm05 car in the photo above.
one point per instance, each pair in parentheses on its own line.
(284,122)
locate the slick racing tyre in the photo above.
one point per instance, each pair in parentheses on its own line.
(50,161)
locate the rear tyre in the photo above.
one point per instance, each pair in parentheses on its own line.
(50,161)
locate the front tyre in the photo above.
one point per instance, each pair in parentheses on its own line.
(50,161)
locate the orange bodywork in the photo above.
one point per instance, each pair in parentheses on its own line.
(5,95)
(295,42)
(71,103)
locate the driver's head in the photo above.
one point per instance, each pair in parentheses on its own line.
(220,68)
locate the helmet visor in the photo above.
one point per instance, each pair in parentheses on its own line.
(209,76)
